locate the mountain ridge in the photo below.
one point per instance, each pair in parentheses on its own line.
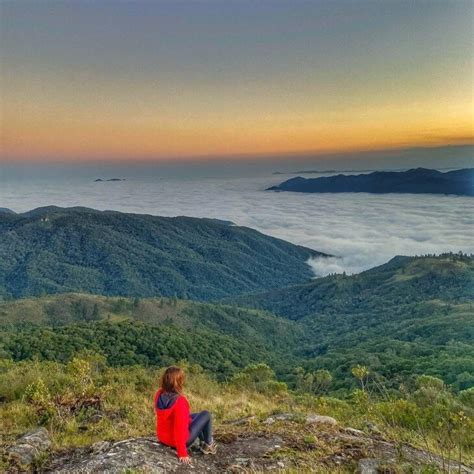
(372,279)
(418,180)
(58,250)
(410,315)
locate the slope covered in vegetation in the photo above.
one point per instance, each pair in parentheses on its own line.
(388,352)
(152,331)
(448,277)
(410,317)
(57,250)
(413,315)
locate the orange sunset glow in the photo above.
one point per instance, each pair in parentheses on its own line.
(94,93)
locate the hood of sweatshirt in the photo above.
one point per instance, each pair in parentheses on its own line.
(166,400)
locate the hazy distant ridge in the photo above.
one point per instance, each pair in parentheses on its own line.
(417,181)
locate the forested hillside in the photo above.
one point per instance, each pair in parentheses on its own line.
(149,332)
(56,250)
(410,316)
(388,352)
(402,280)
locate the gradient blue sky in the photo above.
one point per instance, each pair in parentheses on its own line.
(154,80)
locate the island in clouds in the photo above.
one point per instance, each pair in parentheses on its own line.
(417,181)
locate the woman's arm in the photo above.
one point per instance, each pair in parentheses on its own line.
(181,426)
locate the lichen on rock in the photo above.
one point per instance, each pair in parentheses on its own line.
(29,447)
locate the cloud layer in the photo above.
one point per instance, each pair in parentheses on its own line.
(360,230)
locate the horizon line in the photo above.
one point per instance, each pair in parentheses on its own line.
(244,157)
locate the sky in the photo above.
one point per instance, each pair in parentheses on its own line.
(136,80)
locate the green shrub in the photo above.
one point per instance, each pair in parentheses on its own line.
(260,378)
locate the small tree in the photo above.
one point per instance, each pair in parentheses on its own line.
(299,378)
(259,377)
(361,373)
(322,380)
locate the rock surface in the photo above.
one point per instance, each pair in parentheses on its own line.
(320,419)
(147,455)
(31,445)
(288,442)
(279,417)
(368,466)
(376,454)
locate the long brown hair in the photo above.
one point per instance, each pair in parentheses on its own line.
(173,379)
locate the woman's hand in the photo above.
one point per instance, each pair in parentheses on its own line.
(185,460)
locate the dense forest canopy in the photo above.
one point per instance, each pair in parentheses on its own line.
(57,250)
(155,331)
(411,316)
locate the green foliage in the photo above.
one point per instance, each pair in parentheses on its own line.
(153,332)
(467,397)
(394,337)
(410,316)
(130,343)
(433,414)
(259,378)
(55,250)
(317,382)
(85,400)
(361,373)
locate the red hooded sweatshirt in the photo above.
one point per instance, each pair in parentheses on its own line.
(172,421)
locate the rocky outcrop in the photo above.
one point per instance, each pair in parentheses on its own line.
(321,420)
(147,455)
(313,443)
(375,454)
(311,419)
(29,447)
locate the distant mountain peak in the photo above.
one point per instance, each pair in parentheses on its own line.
(5,210)
(416,180)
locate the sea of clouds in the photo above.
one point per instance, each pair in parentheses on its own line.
(359,230)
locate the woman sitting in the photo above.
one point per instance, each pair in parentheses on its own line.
(175,425)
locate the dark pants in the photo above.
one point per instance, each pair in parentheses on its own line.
(200,426)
